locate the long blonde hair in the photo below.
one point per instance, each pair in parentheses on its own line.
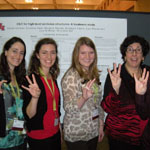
(93,70)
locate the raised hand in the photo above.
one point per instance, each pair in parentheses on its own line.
(141,83)
(115,77)
(87,91)
(1,82)
(33,88)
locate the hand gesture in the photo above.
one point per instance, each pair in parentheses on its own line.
(1,82)
(87,92)
(115,77)
(141,83)
(33,88)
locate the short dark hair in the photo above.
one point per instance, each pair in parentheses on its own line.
(134,39)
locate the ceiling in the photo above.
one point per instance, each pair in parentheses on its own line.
(49,4)
(121,5)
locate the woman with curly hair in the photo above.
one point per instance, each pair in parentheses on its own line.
(42,98)
(123,124)
(12,75)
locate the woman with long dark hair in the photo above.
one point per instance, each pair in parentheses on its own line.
(12,75)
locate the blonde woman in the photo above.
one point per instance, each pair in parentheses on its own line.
(83,120)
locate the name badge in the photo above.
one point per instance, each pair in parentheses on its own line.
(18,125)
(95,114)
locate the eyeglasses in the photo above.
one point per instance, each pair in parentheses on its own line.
(138,50)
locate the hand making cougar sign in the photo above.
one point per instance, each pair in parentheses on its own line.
(33,88)
(141,83)
(115,77)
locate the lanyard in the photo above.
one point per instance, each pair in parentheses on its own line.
(16,95)
(52,90)
(95,89)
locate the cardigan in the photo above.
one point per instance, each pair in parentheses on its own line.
(36,122)
(10,109)
(143,109)
(78,122)
(122,122)
(2,117)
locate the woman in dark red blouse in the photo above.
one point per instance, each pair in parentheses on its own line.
(123,125)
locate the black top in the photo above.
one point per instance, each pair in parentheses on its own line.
(143,109)
(2,117)
(36,122)
(122,122)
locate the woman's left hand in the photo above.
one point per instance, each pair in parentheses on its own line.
(141,83)
(87,91)
(101,134)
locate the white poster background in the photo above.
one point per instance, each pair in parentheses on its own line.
(107,34)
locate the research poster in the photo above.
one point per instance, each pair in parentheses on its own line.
(107,34)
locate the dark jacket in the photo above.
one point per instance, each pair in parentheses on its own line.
(36,122)
(122,122)
(2,117)
(143,109)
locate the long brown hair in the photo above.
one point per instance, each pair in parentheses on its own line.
(20,71)
(35,63)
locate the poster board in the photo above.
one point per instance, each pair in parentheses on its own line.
(106,29)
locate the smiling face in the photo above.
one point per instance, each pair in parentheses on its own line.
(134,55)
(86,56)
(15,55)
(47,56)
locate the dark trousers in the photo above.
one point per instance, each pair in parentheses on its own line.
(119,145)
(51,143)
(83,145)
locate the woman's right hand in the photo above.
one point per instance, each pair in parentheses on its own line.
(1,82)
(115,77)
(87,91)
(33,88)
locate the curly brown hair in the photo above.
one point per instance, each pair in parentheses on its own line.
(134,39)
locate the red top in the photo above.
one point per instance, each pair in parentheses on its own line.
(49,117)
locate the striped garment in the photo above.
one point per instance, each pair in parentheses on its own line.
(122,122)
